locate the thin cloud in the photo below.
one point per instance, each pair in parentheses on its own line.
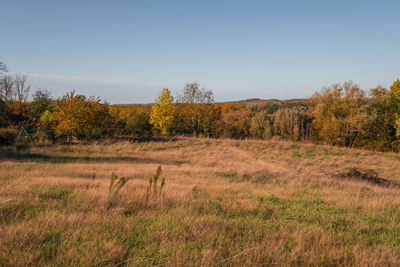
(114,90)
(92,79)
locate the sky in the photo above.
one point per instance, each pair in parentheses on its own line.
(127,51)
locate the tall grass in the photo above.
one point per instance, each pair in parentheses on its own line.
(227,203)
(154,190)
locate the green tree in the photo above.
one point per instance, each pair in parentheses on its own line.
(42,101)
(138,125)
(162,112)
(395,92)
(382,115)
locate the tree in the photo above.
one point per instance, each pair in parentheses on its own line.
(382,115)
(42,101)
(292,124)
(197,113)
(237,123)
(395,92)
(261,126)
(339,113)
(395,88)
(14,88)
(193,94)
(162,112)
(3,68)
(21,88)
(14,91)
(79,117)
(6,88)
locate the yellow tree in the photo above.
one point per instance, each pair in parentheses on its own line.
(338,112)
(162,112)
(395,88)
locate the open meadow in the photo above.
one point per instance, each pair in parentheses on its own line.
(224,203)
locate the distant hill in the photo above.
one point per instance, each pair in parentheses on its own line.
(250,103)
(255,102)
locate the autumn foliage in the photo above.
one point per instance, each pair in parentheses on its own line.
(341,114)
(79,117)
(162,112)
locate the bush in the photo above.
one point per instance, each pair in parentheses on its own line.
(8,137)
(138,125)
(19,114)
(3,114)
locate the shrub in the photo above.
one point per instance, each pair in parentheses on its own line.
(3,114)
(138,125)
(19,114)
(8,137)
(369,176)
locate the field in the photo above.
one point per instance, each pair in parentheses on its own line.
(224,203)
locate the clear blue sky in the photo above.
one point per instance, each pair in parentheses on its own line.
(126,51)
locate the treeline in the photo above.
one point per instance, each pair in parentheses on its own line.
(341,115)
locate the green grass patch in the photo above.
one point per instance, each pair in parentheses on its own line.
(16,212)
(55,192)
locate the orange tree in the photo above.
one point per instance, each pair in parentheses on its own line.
(80,117)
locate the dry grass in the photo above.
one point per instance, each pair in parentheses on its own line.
(225,202)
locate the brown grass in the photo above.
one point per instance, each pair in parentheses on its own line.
(225,202)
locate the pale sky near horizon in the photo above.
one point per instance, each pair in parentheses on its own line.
(127,51)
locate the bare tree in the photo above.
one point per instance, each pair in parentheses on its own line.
(3,68)
(193,94)
(21,88)
(195,102)
(6,88)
